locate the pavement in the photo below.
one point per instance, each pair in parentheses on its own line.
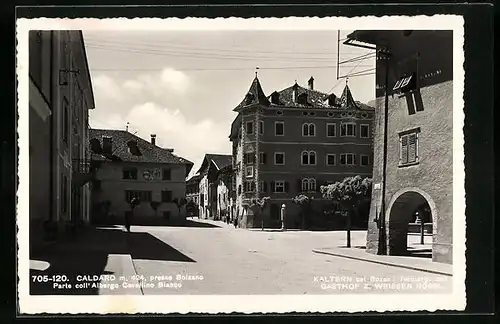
(211,257)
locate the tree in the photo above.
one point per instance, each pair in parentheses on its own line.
(155,205)
(348,193)
(305,203)
(179,203)
(261,204)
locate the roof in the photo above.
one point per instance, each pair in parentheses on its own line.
(194,179)
(297,96)
(219,160)
(254,96)
(149,153)
(235,126)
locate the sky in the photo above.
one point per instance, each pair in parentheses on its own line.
(183,85)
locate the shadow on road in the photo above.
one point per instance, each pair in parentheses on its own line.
(155,221)
(88,254)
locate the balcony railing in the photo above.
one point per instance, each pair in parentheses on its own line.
(83,171)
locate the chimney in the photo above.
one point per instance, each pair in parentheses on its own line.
(311,83)
(153,139)
(294,92)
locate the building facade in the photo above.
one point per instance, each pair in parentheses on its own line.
(209,170)
(60,96)
(415,161)
(294,141)
(225,193)
(133,167)
(193,189)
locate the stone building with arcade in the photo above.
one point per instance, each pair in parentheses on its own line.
(413,136)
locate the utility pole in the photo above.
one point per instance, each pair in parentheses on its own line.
(382,231)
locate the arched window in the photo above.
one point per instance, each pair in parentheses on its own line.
(305,184)
(305,129)
(305,157)
(312,130)
(308,158)
(312,184)
(312,157)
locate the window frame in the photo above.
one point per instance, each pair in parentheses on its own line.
(247,128)
(367,130)
(334,159)
(309,126)
(275,128)
(416,133)
(282,185)
(346,128)
(261,127)
(348,154)
(361,156)
(130,169)
(277,153)
(164,171)
(247,174)
(334,129)
(309,153)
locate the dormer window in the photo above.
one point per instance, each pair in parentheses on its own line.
(302,99)
(249,98)
(275,98)
(107,144)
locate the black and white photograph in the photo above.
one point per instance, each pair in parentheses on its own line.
(241,165)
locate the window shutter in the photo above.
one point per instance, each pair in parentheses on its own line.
(299,185)
(412,152)
(264,186)
(354,159)
(264,158)
(273,186)
(404,149)
(286,186)
(354,130)
(342,158)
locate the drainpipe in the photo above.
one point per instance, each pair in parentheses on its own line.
(382,231)
(51,130)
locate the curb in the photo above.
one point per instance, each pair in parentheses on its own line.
(385,263)
(124,261)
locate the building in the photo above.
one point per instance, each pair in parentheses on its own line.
(193,189)
(413,169)
(60,96)
(225,193)
(133,167)
(209,169)
(292,142)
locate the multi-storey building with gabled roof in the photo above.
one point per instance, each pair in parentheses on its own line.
(293,141)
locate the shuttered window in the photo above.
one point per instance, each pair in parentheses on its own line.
(408,148)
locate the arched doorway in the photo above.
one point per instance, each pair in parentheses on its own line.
(408,207)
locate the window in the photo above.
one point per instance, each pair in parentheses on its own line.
(262,158)
(331,130)
(249,186)
(249,128)
(279,128)
(330,159)
(239,189)
(166,196)
(262,186)
(279,186)
(143,195)
(308,184)
(279,158)
(167,174)
(365,160)
(107,144)
(308,129)
(249,158)
(130,173)
(408,144)
(279,113)
(308,158)
(348,129)
(249,171)
(348,159)
(364,131)
(329,114)
(261,127)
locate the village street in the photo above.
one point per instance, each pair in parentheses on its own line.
(225,260)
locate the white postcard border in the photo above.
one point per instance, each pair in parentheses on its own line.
(456,300)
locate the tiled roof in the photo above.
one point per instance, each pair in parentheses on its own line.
(221,161)
(255,95)
(148,153)
(235,126)
(194,179)
(315,99)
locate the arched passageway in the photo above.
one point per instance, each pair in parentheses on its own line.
(407,211)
